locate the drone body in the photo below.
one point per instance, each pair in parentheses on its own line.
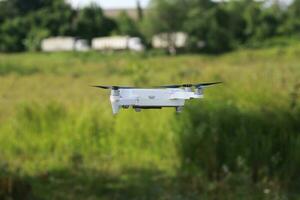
(154,98)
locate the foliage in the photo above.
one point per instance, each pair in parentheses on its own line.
(34,39)
(40,17)
(126,25)
(222,26)
(90,23)
(12,33)
(213,27)
(292,25)
(139,11)
(218,137)
(241,141)
(169,14)
(48,18)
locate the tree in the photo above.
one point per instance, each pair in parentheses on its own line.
(252,19)
(139,11)
(292,25)
(263,23)
(237,23)
(34,38)
(208,22)
(15,8)
(31,19)
(57,19)
(126,25)
(7,10)
(90,22)
(164,16)
(12,34)
(23,7)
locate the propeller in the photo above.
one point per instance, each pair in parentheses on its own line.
(170,86)
(112,87)
(206,84)
(197,85)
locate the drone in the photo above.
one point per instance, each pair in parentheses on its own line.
(155,97)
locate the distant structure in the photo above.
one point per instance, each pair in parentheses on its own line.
(131,12)
(167,40)
(174,41)
(54,44)
(170,41)
(117,43)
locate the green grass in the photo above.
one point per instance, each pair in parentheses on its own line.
(59,139)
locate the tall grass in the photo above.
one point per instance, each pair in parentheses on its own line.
(48,133)
(221,141)
(58,135)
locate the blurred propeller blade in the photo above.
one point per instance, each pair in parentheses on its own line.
(198,85)
(114,87)
(170,86)
(125,87)
(206,84)
(102,87)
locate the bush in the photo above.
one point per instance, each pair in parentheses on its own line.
(215,138)
(34,39)
(11,67)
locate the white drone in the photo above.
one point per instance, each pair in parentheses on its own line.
(154,98)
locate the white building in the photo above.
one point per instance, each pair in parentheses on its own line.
(170,40)
(117,43)
(54,44)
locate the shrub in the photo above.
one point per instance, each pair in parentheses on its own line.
(214,138)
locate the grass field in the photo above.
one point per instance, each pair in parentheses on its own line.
(59,139)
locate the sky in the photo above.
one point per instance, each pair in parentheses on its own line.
(110,4)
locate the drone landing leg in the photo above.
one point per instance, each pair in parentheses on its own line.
(138,109)
(179,109)
(115,108)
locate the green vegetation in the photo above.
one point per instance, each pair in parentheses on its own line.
(212,27)
(59,140)
(224,26)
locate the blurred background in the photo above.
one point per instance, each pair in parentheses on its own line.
(59,139)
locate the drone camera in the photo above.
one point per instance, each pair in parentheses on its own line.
(179,109)
(199,91)
(115,92)
(188,89)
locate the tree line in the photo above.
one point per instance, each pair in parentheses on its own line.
(220,26)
